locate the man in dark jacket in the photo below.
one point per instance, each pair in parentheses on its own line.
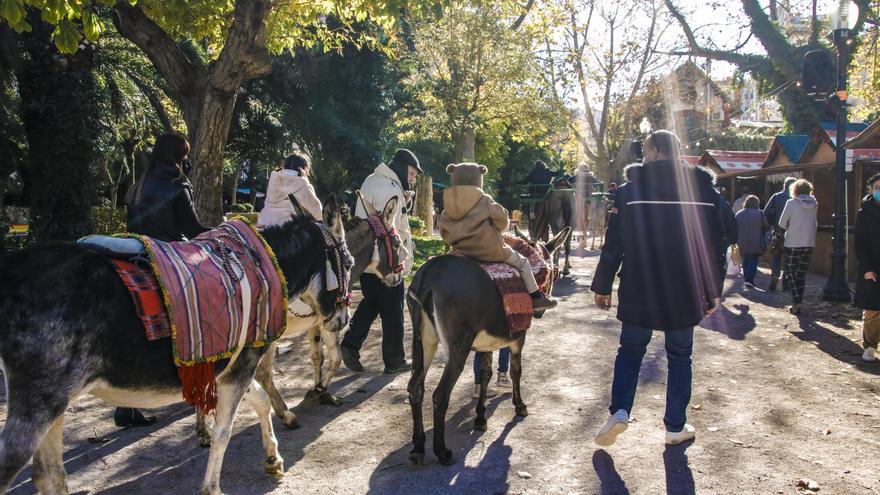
(665,231)
(868,257)
(539,179)
(772,213)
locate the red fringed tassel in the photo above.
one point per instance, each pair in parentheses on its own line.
(199,386)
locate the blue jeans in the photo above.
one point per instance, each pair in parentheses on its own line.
(750,267)
(633,343)
(503,363)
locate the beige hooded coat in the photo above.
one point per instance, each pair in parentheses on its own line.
(278,208)
(472,223)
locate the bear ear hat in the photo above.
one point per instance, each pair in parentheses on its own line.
(450,168)
(483,169)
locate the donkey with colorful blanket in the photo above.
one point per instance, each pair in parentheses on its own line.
(459,302)
(72,329)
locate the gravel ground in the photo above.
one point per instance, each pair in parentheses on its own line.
(776,399)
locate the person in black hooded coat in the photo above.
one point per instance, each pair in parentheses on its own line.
(664,237)
(868,258)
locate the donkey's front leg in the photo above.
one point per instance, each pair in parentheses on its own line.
(516,373)
(485,376)
(259,400)
(316,355)
(265,376)
(334,359)
(203,432)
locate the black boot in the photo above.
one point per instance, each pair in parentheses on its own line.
(125,417)
(773,282)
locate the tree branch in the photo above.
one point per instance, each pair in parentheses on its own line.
(244,54)
(179,71)
(738,59)
(522,17)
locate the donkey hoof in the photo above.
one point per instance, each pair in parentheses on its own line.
(328,399)
(480,424)
(446,458)
(289,420)
(274,466)
(417,458)
(205,441)
(522,411)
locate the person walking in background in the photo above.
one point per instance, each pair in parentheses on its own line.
(728,239)
(772,212)
(663,238)
(161,206)
(740,202)
(868,258)
(798,219)
(750,238)
(387,181)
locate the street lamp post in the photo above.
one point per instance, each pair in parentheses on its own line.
(836,288)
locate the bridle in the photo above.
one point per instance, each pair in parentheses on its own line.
(389,238)
(336,268)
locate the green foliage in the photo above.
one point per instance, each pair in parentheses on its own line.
(241,208)
(59,109)
(427,248)
(107,221)
(417,226)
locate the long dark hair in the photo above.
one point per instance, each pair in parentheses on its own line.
(170,149)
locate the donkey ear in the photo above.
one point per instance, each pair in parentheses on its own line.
(369,208)
(330,211)
(388,212)
(558,240)
(483,169)
(520,234)
(297,208)
(450,168)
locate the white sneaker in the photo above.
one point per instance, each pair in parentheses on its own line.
(617,423)
(503,380)
(677,437)
(869,355)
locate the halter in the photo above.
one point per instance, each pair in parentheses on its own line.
(335,276)
(388,236)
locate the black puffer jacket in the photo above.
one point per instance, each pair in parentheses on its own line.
(664,235)
(868,254)
(164,209)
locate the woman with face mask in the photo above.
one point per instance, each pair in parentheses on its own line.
(868,258)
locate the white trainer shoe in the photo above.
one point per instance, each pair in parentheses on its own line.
(617,423)
(869,355)
(503,380)
(677,437)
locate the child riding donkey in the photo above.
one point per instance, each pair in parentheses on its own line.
(472,223)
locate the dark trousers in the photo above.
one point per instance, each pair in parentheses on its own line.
(797,262)
(633,344)
(386,303)
(750,267)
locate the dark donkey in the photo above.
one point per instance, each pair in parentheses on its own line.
(70,329)
(453,301)
(372,253)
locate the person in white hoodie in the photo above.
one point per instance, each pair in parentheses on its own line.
(292,179)
(799,221)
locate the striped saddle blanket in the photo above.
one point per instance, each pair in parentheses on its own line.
(222,291)
(517,302)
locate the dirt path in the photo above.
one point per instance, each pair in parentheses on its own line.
(775,398)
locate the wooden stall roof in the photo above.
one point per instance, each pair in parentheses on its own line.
(869,138)
(728,162)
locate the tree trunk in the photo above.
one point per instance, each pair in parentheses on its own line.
(206,92)
(465,142)
(208,135)
(425,202)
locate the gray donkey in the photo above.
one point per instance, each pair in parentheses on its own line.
(70,329)
(370,250)
(453,301)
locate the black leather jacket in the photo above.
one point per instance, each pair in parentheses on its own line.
(164,209)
